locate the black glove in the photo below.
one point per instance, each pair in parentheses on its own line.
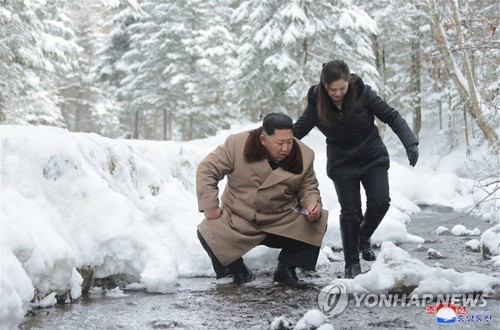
(412,153)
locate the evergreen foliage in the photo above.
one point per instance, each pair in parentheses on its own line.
(155,69)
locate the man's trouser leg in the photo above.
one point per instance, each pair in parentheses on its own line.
(220,270)
(293,252)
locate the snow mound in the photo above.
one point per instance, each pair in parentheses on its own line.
(395,270)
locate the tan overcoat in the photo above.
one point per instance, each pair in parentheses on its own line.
(256,199)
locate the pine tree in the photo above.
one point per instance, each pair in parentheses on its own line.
(177,66)
(282,47)
(108,71)
(199,70)
(400,48)
(85,104)
(36,49)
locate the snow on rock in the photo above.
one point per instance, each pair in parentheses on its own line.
(473,245)
(280,323)
(460,230)
(496,261)
(330,255)
(326,326)
(312,319)
(434,254)
(441,230)
(116,293)
(16,292)
(396,270)
(490,240)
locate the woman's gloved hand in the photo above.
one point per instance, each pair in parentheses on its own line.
(412,153)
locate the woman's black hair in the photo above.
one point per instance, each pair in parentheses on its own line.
(333,71)
(276,120)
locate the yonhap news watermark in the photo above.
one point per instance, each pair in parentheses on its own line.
(333,300)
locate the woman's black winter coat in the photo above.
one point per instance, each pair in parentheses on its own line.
(354,145)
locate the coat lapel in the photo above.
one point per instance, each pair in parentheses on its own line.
(261,169)
(275,177)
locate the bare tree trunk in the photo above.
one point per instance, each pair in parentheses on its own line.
(305,57)
(2,108)
(465,84)
(416,68)
(136,124)
(436,77)
(474,96)
(378,59)
(156,114)
(169,126)
(81,108)
(303,69)
(381,70)
(466,129)
(78,119)
(188,132)
(165,124)
(304,45)
(148,124)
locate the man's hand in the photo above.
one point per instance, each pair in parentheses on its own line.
(213,213)
(314,212)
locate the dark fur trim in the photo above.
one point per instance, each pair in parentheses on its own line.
(255,151)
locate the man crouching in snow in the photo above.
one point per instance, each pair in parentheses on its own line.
(271,198)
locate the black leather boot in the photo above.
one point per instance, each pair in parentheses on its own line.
(285,273)
(366,249)
(242,275)
(352,271)
(349,230)
(372,219)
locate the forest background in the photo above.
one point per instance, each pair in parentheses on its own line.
(185,69)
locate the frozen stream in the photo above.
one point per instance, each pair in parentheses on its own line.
(203,303)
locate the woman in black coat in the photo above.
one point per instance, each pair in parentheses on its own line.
(344,109)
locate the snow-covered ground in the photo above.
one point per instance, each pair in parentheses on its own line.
(75,200)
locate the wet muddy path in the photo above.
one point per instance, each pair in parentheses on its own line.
(203,303)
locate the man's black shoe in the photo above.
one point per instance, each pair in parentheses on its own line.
(242,275)
(285,273)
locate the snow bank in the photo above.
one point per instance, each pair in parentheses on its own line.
(395,270)
(80,200)
(73,201)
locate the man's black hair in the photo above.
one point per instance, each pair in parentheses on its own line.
(276,120)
